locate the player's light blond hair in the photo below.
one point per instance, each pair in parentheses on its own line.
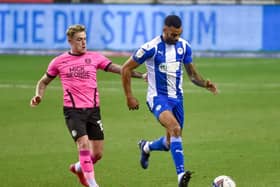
(73,29)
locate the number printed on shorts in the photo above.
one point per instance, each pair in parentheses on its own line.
(100,125)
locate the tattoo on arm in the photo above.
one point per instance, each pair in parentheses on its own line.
(195,77)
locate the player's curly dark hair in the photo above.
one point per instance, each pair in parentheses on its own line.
(173,21)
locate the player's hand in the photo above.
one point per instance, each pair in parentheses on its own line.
(211,87)
(132,103)
(35,100)
(145,77)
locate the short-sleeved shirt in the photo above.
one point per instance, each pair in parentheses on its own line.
(164,66)
(78,77)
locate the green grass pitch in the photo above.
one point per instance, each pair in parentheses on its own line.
(235,133)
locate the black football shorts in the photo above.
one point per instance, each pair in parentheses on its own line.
(84,121)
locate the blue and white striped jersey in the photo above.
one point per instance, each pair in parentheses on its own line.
(164,66)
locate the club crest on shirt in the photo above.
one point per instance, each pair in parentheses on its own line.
(180,50)
(87,60)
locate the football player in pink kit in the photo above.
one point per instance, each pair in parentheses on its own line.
(77,71)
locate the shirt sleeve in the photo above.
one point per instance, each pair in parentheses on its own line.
(52,70)
(103,62)
(143,53)
(188,55)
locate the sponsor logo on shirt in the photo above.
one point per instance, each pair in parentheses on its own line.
(79,72)
(170,67)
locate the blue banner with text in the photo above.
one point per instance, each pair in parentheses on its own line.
(126,27)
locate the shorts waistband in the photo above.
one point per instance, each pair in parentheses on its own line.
(83,109)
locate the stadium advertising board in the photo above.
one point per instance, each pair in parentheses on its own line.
(125,27)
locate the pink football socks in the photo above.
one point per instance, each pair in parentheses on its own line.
(87,167)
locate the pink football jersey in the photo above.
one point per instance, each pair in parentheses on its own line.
(78,77)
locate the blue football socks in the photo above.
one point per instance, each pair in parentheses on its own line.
(159,144)
(176,149)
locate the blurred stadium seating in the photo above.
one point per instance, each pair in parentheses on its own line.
(195,1)
(26,1)
(149,1)
(219,1)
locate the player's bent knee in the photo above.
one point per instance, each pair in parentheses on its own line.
(176,131)
(82,145)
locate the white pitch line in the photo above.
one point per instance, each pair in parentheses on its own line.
(115,86)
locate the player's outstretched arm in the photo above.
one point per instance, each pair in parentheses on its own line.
(40,90)
(126,73)
(115,68)
(198,80)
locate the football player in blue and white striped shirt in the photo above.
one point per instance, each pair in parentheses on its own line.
(165,57)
